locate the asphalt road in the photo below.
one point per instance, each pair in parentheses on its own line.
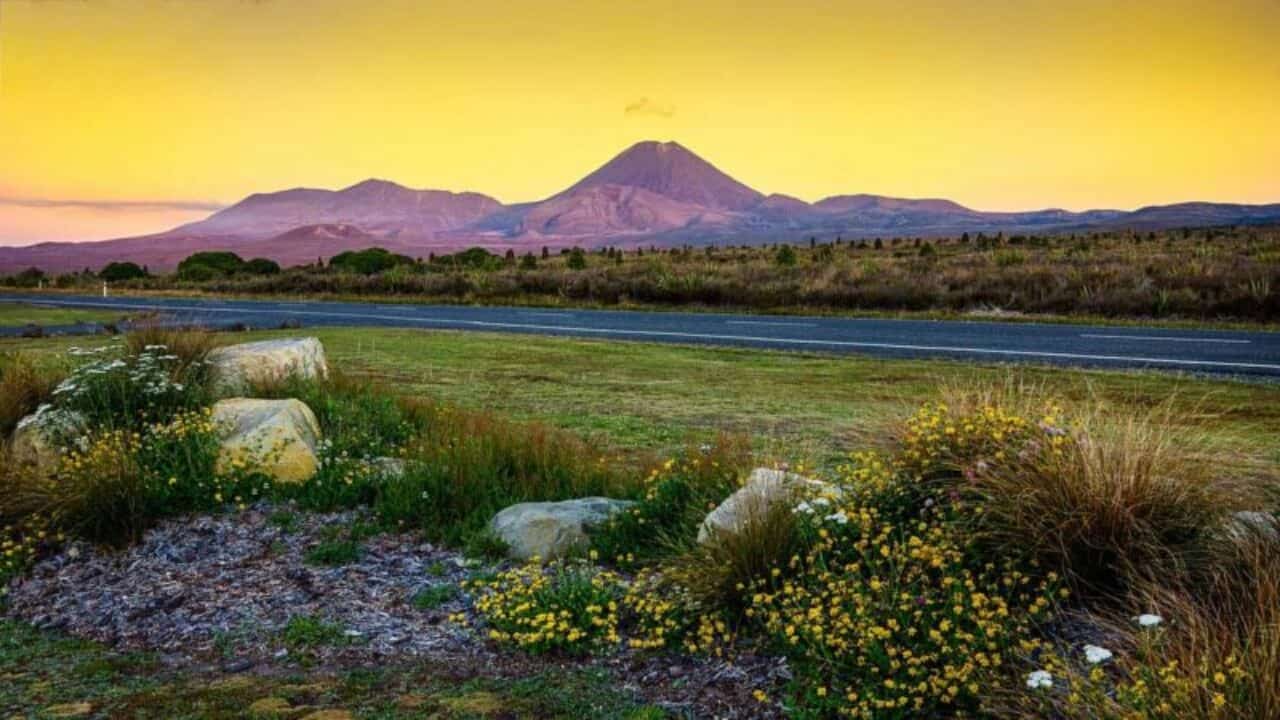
(1201,351)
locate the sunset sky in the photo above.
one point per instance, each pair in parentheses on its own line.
(120,117)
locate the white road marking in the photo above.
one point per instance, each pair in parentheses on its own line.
(697,336)
(1224,341)
(533,313)
(765,322)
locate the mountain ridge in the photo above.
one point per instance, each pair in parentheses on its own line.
(651,193)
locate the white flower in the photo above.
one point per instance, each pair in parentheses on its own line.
(837,517)
(821,502)
(803,507)
(1095,654)
(1039,679)
(1147,620)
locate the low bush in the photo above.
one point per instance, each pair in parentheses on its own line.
(127,391)
(568,606)
(113,484)
(677,497)
(892,616)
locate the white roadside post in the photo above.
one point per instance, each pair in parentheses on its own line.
(104,288)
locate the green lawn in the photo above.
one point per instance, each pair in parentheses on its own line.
(16,314)
(798,406)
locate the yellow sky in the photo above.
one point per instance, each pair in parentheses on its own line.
(1003,104)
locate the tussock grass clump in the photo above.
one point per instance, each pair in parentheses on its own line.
(1207,647)
(23,387)
(1101,497)
(721,572)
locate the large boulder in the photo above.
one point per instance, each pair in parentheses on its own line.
(235,369)
(278,437)
(764,488)
(549,530)
(37,438)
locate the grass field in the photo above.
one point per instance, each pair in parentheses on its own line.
(641,397)
(18,314)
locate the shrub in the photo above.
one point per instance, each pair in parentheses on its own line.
(895,618)
(719,572)
(262,266)
(368,262)
(189,346)
(129,391)
(114,484)
(786,256)
(360,423)
(1205,646)
(203,266)
(121,271)
(567,606)
(1104,500)
(677,497)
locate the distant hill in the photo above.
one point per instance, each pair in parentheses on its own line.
(652,193)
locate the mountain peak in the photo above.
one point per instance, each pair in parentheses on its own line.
(374,185)
(672,170)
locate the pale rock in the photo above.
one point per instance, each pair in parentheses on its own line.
(278,437)
(235,369)
(1255,524)
(36,436)
(550,530)
(763,489)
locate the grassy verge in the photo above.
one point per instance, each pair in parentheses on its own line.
(18,314)
(642,397)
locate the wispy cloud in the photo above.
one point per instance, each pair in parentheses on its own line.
(647,107)
(135,205)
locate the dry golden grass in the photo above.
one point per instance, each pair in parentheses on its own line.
(23,386)
(1114,494)
(191,345)
(720,572)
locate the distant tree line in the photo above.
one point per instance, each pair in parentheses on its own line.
(1227,273)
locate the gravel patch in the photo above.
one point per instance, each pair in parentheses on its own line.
(228,585)
(217,593)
